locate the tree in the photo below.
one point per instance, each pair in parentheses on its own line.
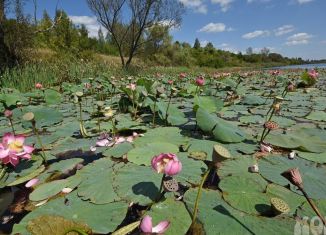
(4,50)
(249,51)
(197,44)
(264,51)
(128,30)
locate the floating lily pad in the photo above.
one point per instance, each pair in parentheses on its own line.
(173,211)
(222,130)
(102,219)
(143,155)
(135,183)
(213,208)
(312,175)
(97,180)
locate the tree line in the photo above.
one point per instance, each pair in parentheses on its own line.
(144,32)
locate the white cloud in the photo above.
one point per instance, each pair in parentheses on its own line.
(90,22)
(255,34)
(284,30)
(197,5)
(204,43)
(224,4)
(298,39)
(304,1)
(213,28)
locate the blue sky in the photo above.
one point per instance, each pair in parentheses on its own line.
(294,28)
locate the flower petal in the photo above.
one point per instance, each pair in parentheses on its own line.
(32,182)
(20,139)
(8,138)
(173,167)
(161,227)
(28,149)
(146,224)
(26,156)
(102,143)
(14,160)
(4,153)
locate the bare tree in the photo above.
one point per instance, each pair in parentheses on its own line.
(128,20)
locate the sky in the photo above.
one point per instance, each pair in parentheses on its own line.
(293,28)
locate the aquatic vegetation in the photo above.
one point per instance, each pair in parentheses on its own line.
(176,153)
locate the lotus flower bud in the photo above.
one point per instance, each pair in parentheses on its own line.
(8,113)
(167,163)
(293,175)
(200,81)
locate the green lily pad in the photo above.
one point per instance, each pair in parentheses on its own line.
(102,219)
(173,211)
(222,130)
(135,183)
(213,208)
(210,103)
(119,150)
(47,190)
(246,193)
(143,155)
(48,224)
(97,180)
(162,134)
(312,175)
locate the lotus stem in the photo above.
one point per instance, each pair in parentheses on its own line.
(262,136)
(39,141)
(154,112)
(3,171)
(167,109)
(194,214)
(160,190)
(313,206)
(12,126)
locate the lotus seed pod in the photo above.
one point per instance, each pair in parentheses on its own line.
(28,116)
(253,169)
(279,206)
(270,125)
(292,155)
(220,154)
(170,184)
(79,94)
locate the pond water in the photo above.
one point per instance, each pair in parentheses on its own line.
(302,66)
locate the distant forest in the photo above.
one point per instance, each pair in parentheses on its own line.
(22,37)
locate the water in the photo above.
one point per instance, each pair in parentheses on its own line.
(302,66)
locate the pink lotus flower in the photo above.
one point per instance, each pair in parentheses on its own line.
(313,74)
(182,75)
(167,163)
(290,87)
(12,149)
(131,86)
(146,226)
(200,81)
(38,86)
(8,113)
(170,82)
